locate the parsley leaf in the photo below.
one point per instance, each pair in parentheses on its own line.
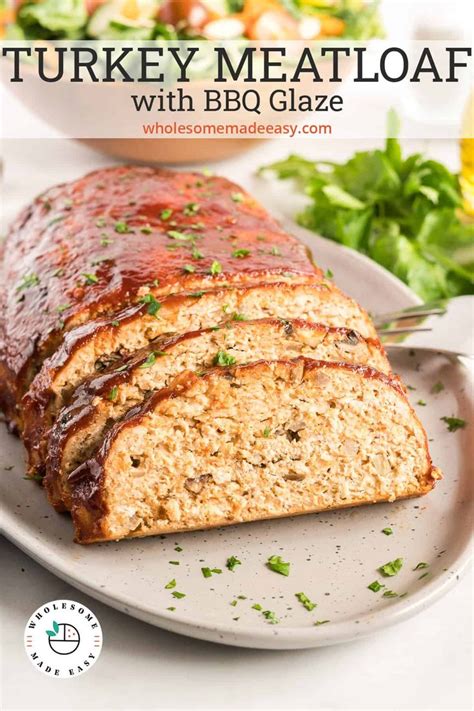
(233,562)
(278,565)
(403,212)
(216,268)
(454,423)
(153,305)
(224,359)
(391,568)
(388,531)
(240,253)
(375,586)
(305,601)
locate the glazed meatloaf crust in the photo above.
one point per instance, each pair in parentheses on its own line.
(93,346)
(90,247)
(101,401)
(257,441)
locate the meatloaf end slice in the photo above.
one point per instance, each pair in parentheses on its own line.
(102,400)
(89,247)
(264,440)
(94,346)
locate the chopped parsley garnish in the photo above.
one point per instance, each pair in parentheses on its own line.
(196,254)
(63,307)
(153,305)
(233,562)
(105,241)
(240,253)
(166,214)
(224,359)
(234,603)
(375,586)
(34,477)
(113,393)
(422,403)
(270,617)
(329,274)
(115,323)
(90,278)
(391,568)
(216,268)
(173,562)
(305,601)
(454,423)
(151,360)
(320,622)
(209,572)
(389,593)
(171,609)
(192,208)
(237,197)
(178,595)
(170,585)
(100,222)
(28,281)
(266,432)
(388,531)
(197,294)
(420,566)
(146,230)
(181,236)
(122,228)
(238,317)
(278,565)
(178,549)
(275,252)
(257,607)
(189,268)
(437,388)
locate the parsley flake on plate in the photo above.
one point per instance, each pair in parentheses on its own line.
(392,568)
(375,586)
(153,305)
(233,562)
(170,585)
(278,565)
(454,423)
(388,531)
(305,601)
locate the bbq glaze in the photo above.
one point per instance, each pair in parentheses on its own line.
(90,247)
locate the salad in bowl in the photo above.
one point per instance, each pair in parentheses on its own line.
(184,19)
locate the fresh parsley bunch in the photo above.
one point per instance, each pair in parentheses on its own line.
(405,213)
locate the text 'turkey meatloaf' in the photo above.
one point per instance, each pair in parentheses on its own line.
(99,402)
(88,247)
(98,344)
(258,441)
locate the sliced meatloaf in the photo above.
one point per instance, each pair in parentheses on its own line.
(89,247)
(257,441)
(99,402)
(100,343)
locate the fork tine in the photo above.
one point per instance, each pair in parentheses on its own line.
(405,315)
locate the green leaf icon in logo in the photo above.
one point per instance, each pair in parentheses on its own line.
(50,633)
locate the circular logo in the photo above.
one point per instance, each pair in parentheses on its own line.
(63,639)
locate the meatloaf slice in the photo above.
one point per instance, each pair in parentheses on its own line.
(99,402)
(88,247)
(98,344)
(264,440)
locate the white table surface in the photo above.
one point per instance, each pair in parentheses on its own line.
(424,663)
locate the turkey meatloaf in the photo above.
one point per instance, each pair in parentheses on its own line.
(257,441)
(94,346)
(89,247)
(97,404)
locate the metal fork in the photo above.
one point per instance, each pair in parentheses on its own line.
(384,324)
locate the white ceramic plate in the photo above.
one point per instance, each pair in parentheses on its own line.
(334,557)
